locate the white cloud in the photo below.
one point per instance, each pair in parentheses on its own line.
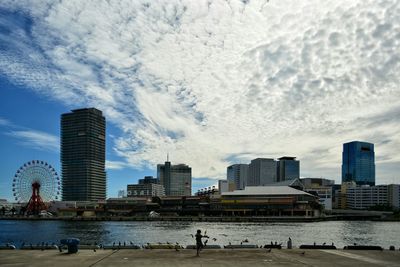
(222,81)
(116,165)
(4,122)
(36,139)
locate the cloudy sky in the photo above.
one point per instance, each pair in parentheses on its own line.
(211,82)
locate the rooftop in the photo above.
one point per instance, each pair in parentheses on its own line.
(266,190)
(292,182)
(287,158)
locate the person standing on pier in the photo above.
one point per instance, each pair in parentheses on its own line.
(289,243)
(199,242)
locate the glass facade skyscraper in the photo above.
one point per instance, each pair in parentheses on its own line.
(288,169)
(83,155)
(358,163)
(237,176)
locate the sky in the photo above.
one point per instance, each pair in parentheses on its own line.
(212,83)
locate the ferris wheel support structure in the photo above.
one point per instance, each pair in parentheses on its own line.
(35,183)
(35,204)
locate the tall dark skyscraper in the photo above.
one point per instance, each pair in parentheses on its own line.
(288,169)
(83,155)
(358,163)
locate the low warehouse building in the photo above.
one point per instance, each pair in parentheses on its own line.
(269,201)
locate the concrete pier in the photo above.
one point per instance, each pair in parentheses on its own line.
(185,257)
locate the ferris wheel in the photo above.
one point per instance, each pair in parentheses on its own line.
(36,182)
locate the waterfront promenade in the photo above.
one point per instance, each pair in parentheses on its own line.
(184,257)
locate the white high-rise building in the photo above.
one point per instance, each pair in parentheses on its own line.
(365,196)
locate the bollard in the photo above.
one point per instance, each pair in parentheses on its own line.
(71,243)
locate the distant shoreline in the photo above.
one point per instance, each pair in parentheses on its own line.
(203,219)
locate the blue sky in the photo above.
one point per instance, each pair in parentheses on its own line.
(25,116)
(26,112)
(212,83)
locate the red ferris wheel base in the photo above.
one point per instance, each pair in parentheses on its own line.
(35,204)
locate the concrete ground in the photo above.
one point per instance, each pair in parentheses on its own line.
(221,257)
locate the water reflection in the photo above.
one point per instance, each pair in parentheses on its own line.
(339,232)
(360,233)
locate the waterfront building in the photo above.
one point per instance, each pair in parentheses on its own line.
(176,179)
(358,163)
(365,196)
(288,168)
(262,171)
(83,155)
(182,205)
(77,208)
(324,196)
(294,183)
(223,186)
(128,206)
(145,190)
(237,176)
(341,195)
(323,188)
(394,195)
(335,195)
(269,201)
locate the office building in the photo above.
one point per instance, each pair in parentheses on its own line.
(83,155)
(176,179)
(145,190)
(149,180)
(146,187)
(262,171)
(288,168)
(237,176)
(323,188)
(394,195)
(358,163)
(340,200)
(223,186)
(365,196)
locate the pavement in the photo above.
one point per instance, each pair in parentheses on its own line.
(210,257)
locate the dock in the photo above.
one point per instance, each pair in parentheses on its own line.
(209,258)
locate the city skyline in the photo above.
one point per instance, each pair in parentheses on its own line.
(213,84)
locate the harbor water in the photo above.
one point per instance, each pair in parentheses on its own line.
(340,233)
